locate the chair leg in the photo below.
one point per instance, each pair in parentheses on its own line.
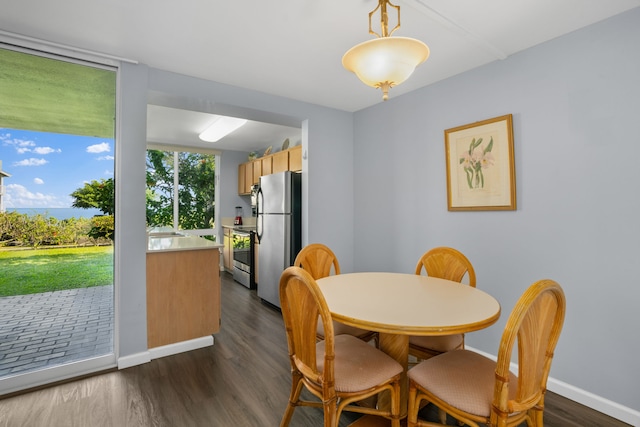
(294,397)
(412,410)
(395,404)
(330,409)
(535,415)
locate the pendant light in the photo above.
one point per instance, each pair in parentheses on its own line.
(385,61)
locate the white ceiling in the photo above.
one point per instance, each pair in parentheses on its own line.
(172,126)
(294,48)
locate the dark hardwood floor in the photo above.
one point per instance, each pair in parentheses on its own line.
(242,380)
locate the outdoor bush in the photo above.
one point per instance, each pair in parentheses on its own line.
(37,230)
(102,227)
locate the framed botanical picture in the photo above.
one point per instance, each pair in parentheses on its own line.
(480,168)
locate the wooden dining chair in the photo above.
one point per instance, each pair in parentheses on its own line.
(340,370)
(477,390)
(444,263)
(320,261)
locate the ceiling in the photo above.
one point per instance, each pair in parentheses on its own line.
(172,126)
(293,48)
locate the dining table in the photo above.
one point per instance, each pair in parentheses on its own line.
(399,305)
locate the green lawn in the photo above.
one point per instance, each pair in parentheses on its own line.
(45,270)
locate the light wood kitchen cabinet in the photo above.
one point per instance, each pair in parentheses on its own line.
(183,295)
(257,171)
(295,158)
(248,178)
(242,167)
(245,177)
(280,161)
(228,249)
(267,163)
(249,173)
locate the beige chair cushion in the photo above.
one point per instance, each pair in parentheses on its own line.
(341,328)
(462,378)
(439,344)
(358,365)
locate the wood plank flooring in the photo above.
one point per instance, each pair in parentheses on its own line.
(242,380)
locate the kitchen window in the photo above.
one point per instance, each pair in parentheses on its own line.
(181,191)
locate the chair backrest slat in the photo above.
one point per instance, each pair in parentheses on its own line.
(318,260)
(446,263)
(535,324)
(303,305)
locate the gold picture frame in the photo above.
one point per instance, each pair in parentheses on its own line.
(480,167)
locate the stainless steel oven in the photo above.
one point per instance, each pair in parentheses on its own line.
(243,257)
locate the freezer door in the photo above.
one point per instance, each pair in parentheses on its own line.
(274,255)
(275,193)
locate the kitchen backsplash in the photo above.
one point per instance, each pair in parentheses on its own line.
(246,220)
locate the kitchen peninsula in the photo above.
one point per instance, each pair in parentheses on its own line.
(183,292)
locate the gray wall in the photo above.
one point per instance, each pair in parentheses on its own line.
(328,152)
(375,188)
(575,103)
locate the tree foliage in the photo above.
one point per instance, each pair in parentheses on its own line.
(196,190)
(96,194)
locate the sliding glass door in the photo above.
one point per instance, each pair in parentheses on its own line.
(57,138)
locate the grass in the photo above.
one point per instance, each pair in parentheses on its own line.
(46,270)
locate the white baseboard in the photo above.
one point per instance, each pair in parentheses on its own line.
(163,351)
(600,404)
(133,360)
(180,347)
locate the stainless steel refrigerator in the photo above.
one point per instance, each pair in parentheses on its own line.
(278,230)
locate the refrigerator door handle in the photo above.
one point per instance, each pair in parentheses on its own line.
(259,214)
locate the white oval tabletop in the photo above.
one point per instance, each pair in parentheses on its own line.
(408,304)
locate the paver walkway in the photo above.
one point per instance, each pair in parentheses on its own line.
(52,328)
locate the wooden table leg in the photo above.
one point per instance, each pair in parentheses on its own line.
(396,346)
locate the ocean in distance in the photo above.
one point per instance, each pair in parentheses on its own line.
(58,213)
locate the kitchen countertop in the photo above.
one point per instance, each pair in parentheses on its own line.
(241,227)
(177,242)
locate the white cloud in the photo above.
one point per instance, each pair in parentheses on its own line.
(31,162)
(106,158)
(38,181)
(46,150)
(19,196)
(21,146)
(99,148)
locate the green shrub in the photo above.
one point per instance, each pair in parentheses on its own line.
(37,230)
(102,227)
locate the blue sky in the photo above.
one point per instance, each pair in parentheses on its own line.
(46,168)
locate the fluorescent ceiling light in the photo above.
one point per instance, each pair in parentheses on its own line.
(221,127)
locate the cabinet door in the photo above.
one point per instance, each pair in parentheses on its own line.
(281,161)
(183,296)
(257,171)
(295,158)
(267,163)
(248,178)
(241,177)
(228,250)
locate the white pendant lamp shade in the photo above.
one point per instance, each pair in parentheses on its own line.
(386,61)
